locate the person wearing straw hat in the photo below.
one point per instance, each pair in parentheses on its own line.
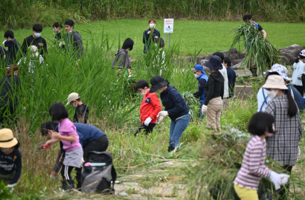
(214,93)
(283,147)
(10,158)
(81,111)
(262,97)
(175,108)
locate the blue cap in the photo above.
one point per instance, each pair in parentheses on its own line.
(199,67)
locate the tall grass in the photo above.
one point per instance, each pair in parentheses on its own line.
(23,13)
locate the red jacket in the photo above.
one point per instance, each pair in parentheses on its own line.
(150,107)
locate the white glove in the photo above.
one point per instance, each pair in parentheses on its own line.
(299,151)
(163,113)
(11,186)
(52,177)
(204,109)
(284,179)
(160,119)
(278,179)
(147,121)
(3,42)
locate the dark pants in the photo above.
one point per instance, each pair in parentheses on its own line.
(284,190)
(148,129)
(66,172)
(98,144)
(300,89)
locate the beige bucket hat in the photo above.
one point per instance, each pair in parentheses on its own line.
(275,82)
(72,97)
(7,139)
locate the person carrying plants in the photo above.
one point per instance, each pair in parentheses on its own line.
(150,34)
(36,40)
(248,19)
(122,58)
(13,48)
(68,136)
(213,103)
(202,80)
(10,158)
(81,111)
(90,137)
(283,147)
(150,107)
(175,108)
(299,70)
(253,168)
(263,98)
(231,76)
(73,40)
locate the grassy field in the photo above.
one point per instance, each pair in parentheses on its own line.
(191,36)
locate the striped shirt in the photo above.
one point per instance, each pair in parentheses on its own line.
(253,165)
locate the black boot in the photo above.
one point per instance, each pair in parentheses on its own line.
(171,149)
(78,185)
(64,185)
(71,184)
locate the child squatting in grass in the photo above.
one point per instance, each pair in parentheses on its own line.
(10,158)
(150,107)
(253,166)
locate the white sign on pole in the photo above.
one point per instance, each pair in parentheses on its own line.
(168,25)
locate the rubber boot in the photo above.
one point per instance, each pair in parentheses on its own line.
(171,149)
(64,185)
(78,185)
(71,185)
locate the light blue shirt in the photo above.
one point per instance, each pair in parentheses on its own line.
(299,69)
(262,100)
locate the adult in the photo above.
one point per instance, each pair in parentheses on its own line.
(214,93)
(283,147)
(56,28)
(35,60)
(175,108)
(35,39)
(81,111)
(263,98)
(224,74)
(9,93)
(74,40)
(13,47)
(248,19)
(202,80)
(150,34)
(299,69)
(90,137)
(231,76)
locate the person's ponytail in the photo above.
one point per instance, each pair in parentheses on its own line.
(292,107)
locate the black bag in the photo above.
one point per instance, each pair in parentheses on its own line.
(98,178)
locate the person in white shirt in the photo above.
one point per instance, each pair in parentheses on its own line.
(35,59)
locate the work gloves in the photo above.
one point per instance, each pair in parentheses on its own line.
(204,109)
(162,114)
(278,179)
(147,121)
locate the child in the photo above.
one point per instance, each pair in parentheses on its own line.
(253,166)
(150,107)
(10,158)
(122,56)
(70,139)
(299,69)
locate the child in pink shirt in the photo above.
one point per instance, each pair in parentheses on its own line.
(70,139)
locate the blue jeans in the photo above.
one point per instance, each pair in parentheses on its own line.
(176,129)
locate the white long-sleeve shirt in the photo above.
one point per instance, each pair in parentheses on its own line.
(224,73)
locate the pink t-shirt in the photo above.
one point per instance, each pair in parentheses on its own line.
(67,128)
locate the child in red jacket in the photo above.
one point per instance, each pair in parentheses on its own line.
(150,107)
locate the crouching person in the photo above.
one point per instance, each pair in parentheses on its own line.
(10,158)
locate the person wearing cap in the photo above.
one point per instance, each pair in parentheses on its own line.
(202,80)
(214,93)
(224,74)
(10,158)
(262,97)
(283,147)
(11,87)
(175,108)
(81,111)
(248,19)
(35,60)
(231,76)
(13,48)
(121,59)
(90,137)
(74,41)
(299,70)
(35,39)
(150,34)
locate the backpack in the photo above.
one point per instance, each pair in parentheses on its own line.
(98,178)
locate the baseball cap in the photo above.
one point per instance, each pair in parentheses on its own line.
(72,97)
(302,53)
(198,67)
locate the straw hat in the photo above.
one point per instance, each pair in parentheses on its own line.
(275,82)
(7,139)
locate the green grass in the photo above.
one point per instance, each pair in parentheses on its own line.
(191,36)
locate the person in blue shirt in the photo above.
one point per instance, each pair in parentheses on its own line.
(262,95)
(90,137)
(150,34)
(231,76)
(13,48)
(202,80)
